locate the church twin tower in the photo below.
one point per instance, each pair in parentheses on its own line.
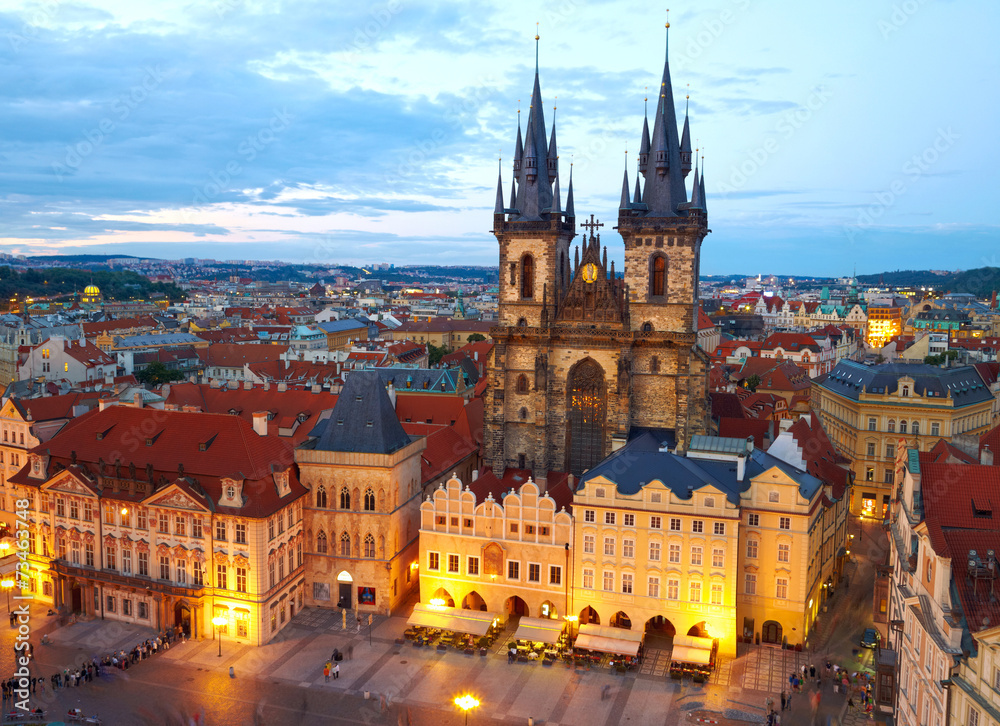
(584,359)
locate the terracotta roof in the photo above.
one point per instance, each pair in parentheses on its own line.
(991,439)
(295,371)
(209,446)
(446,448)
(945,453)
(790,342)
(557,486)
(87,354)
(762,430)
(228,335)
(121,324)
(726,405)
(53,408)
(299,405)
(704,322)
(235,355)
(821,456)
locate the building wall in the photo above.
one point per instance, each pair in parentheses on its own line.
(660,588)
(394,481)
(523,528)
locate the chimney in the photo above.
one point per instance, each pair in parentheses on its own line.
(986,456)
(267,385)
(475,474)
(137,399)
(260,423)
(741,467)
(247,385)
(392,394)
(282,386)
(104,403)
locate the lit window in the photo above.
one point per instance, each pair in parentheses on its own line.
(588,544)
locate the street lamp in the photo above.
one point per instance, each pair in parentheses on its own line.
(466,703)
(7,585)
(218,621)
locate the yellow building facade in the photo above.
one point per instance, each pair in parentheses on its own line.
(867,410)
(505,554)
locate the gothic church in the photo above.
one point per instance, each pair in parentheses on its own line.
(584,359)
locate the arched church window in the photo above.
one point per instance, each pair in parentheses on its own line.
(321,497)
(522,383)
(345,498)
(345,545)
(369,546)
(522,323)
(647,327)
(369,500)
(658,276)
(321,543)
(527,276)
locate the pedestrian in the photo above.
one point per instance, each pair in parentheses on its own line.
(326,673)
(783,699)
(812,671)
(336,671)
(788,703)
(768,704)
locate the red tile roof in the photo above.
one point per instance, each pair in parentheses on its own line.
(991,439)
(236,355)
(91,330)
(790,342)
(557,486)
(821,456)
(53,408)
(945,453)
(762,430)
(168,439)
(228,335)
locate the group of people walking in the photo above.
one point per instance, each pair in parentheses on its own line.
(843,682)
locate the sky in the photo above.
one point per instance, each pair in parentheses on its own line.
(856,135)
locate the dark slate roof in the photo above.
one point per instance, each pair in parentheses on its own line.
(643,460)
(420,379)
(363,421)
(964,383)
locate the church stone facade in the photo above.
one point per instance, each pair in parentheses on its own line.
(585,358)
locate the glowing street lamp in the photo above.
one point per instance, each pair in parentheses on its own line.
(218,621)
(7,585)
(571,619)
(467,703)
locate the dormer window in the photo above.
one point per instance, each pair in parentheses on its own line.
(230,492)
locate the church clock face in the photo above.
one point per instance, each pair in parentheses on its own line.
(589,272)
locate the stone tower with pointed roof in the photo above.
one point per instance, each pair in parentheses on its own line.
(583,358)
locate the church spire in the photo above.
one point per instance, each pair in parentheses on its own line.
(644,144)
(686,141)
(665,190)
(696,188)
(556,208)
(553,151)
(570,210)
(704,199)
(498,208)
(637,197)
(519,147)
(625,200)
(534,189)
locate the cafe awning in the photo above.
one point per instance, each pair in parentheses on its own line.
(603,639)
(473,622)
(539,630)
(692,641)
(687,654)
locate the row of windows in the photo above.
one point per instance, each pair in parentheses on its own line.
(345,498)
(626,586)
(534,569)
(655,522)
(655,551)
(323,545)
(914,426)
(15,459)
(753,520)
(780,585)
(13,437)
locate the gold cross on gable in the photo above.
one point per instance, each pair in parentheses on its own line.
(592,225)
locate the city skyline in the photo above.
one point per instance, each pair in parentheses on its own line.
(237,131)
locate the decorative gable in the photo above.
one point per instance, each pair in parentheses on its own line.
(176,498)
(68,482)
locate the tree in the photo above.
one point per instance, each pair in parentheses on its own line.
(751,382)
(475,338)
(156,373)
(435,353)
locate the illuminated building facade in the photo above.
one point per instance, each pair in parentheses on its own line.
(203,520)
(885,322)
(868,410)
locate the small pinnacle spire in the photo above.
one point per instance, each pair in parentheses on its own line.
(536,48)
(498,208)
(570,211)
(637,197)
(668,35)
(556,208)
(625,200)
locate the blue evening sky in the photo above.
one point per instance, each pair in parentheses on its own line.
(835,134)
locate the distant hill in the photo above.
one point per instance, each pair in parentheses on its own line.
(61,281)
(980,282)
(78,258)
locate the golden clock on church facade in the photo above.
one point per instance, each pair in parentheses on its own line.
(589,272)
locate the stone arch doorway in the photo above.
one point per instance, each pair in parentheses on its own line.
(182,617)
(345,582)
(770,632)
(515,606)
(444,597)
(548,610)
(587,409)
(699,630)
(76,598)
(473,601)
(621,620)
(661,626)
(589,615)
